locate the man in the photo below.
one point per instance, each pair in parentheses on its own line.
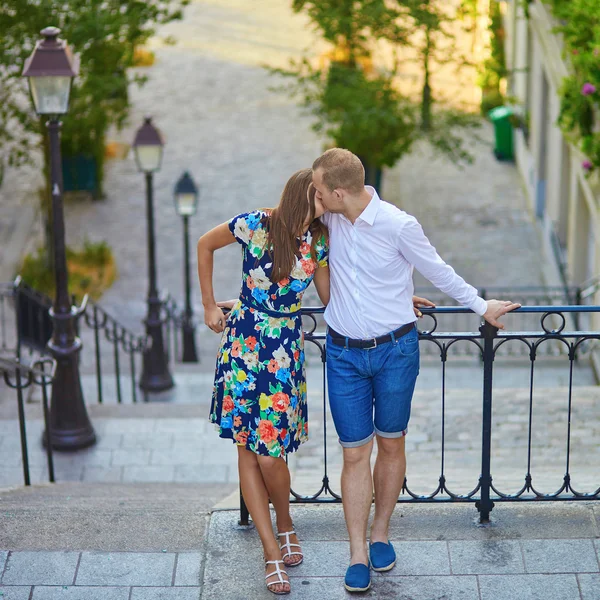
(372,345)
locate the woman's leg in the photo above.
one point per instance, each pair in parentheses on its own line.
(256,497)
(276,476)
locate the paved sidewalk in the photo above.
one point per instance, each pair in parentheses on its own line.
(100,576)
(547,552)
(536,551)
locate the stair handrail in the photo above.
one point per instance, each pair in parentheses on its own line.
(19,376)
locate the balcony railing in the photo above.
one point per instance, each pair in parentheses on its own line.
(554,328)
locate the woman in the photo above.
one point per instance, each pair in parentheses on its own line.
(259,397)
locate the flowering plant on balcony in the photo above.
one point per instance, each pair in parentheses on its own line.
(580,92)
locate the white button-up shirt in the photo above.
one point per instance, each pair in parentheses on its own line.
(371,265)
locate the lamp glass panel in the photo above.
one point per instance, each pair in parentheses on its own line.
(186,204)
(148,157)
(50,94)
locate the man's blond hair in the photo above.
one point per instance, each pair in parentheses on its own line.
(341,169)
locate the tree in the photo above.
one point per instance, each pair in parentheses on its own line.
(433,36)
(105,33)
(365,115)
(355,110)
(422,24)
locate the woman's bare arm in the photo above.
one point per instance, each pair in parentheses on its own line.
(322,284)
(218,237)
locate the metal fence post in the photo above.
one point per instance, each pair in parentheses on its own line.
(485,505)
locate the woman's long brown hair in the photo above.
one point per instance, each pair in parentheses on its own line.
(286,223)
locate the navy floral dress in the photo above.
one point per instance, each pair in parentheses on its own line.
(259,396)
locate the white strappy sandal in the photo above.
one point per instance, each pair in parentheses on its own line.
(287,547)
(277,573)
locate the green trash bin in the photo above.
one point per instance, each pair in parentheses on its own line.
(503,130)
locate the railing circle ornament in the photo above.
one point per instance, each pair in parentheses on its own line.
(553,331)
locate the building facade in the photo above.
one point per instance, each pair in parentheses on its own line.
(562,198)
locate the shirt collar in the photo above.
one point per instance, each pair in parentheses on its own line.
(370,212)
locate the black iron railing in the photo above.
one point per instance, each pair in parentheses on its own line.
(19,377)
(556,296)
(120,341)
(24,319)
(553,328)
(25,325)
(173,319)
(8,330)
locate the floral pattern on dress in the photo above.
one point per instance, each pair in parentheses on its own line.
(259,396)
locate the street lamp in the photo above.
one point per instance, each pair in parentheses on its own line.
(186,201)
(50,70)
(148,149)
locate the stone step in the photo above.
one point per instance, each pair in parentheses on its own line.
(144,517)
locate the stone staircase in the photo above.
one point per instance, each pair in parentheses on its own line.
(131,516)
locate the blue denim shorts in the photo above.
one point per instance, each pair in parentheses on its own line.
(371,390)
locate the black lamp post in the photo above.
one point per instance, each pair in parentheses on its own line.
(186,201)
(148,148)
(50,71)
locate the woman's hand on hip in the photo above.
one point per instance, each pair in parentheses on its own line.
(214,318)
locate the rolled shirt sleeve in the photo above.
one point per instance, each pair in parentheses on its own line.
(418,251)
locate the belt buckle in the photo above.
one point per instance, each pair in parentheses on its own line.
(374,340)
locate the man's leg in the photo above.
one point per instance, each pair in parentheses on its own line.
(394,385)
(388,476)
(351,401)
(357,496)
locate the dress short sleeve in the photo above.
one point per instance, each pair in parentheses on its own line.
(243,225)
(323,251)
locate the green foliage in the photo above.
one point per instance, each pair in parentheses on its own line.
(447,134)
(91,270)
(494,68)
(93,254)
(35,272)
(491,99)
(365,115)
(105,34)
(580,27)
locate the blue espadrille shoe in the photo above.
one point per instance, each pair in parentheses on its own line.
(358,578)
(383,556)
